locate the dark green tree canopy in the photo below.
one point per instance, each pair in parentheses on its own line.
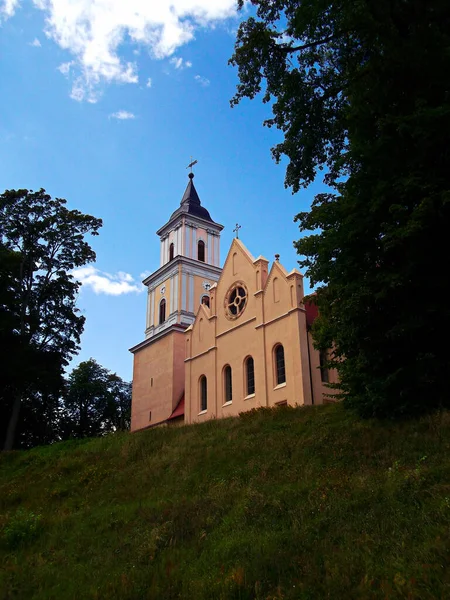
(360,90)
(96,402)
(317,59)
(49,238)
(42,241)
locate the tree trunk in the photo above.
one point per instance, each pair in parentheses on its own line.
(12,425)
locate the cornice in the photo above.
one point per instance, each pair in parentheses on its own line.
(189,266)
(189,220)
(176,327)
(165,272)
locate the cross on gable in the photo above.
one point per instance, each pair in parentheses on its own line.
(236,230)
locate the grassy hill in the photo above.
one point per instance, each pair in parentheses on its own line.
(276,504)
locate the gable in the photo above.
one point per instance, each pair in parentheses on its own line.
(280,293)
(201,332)
(238,279)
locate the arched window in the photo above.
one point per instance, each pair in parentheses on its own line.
(323,368)
(162,311)
(276,290)
(203,393)
(201,251)
(280,370)
(234,261)
(249,376)
(171,251)
(227,383)
(205,300)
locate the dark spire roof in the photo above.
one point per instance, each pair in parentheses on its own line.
(190,203)
(190,195)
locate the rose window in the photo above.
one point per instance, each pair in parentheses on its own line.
(236,300)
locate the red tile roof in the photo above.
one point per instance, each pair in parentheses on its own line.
(179,409)
(312,312)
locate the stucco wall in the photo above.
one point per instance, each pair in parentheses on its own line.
(158,380)
(273,315)
(320,388)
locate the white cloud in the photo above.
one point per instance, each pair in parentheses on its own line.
(176,62)
(36,43)
(64,68)
(144,274)
(8,8)
(81,90)
(94,30)
(105,283)
(179,63)
(202,80)
(122,115)
(84,90)
(149,82)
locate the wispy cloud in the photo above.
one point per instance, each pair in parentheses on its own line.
(179,63)
(122,115)
(81,90)
(105,283)
(149,82)
(36,43)
(144,274)
(94,30)
(204,81)
(64,68)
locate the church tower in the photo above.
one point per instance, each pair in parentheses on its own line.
(189,266)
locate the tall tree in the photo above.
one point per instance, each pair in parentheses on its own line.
(361,90)
(96,402)
(42,241)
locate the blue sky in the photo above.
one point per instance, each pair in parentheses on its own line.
(103,103)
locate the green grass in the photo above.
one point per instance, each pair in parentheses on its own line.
(288,503)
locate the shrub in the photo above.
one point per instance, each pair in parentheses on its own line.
(23,527)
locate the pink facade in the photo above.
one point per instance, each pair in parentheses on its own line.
(267,336)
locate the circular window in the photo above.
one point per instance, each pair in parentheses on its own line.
(236,300)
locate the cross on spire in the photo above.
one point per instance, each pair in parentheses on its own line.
(191,164)
(236,230)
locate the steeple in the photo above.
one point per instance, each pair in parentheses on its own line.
(190,203)
(190,231)
(190,195)
(189,265)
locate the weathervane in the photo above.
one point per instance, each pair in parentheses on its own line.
(236,230)
(191,164)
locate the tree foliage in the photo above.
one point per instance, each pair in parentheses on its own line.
(360,90)
(41,242)
(96,402)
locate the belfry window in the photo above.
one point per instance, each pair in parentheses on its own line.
(201,251)
(205,300)
(162,311)
(250,376)
(280,370)
(228,385)
(203,393)
(171,251)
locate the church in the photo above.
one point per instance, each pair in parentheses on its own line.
(221,340)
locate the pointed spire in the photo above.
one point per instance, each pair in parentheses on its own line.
(190,203)
(190,195)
